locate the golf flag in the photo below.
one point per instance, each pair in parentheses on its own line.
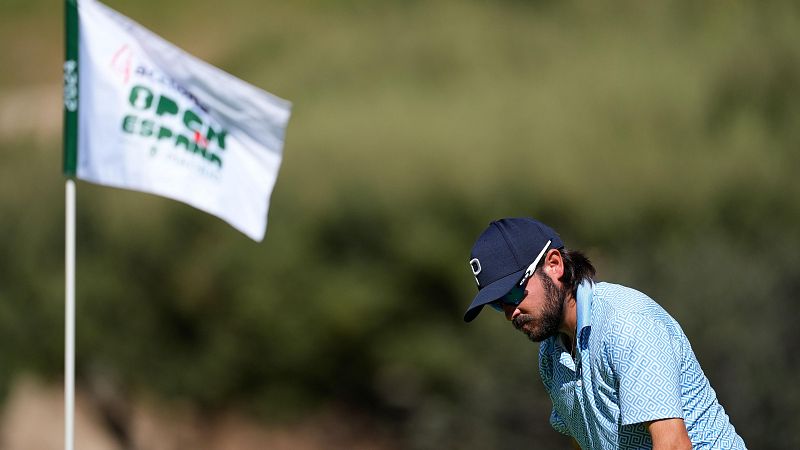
(142,114)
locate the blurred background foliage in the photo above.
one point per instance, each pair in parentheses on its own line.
(659,137)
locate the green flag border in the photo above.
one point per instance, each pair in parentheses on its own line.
(71,92)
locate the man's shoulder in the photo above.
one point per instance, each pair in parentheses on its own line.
(616,308)
(615,300)
(618,292)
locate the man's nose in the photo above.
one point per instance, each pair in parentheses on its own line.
(508,310)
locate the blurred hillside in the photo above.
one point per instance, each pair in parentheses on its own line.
(660,137)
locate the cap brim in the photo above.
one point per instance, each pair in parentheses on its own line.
(491,293)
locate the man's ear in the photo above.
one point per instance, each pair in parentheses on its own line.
(553,264)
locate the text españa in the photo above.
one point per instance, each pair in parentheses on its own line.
(153,111)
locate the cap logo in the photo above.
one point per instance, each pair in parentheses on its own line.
(475,265)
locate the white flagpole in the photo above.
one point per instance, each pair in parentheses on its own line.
(69,332)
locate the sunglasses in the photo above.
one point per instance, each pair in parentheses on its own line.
(517,293)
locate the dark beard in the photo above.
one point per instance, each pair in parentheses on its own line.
(545,326)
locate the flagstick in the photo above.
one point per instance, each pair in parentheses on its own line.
(69,333)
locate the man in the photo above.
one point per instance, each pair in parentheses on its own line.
(619,370)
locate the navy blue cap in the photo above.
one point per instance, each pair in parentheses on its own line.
(501,255)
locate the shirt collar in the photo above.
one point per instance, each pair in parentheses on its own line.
(584,312)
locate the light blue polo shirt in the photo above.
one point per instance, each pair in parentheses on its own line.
(633,364)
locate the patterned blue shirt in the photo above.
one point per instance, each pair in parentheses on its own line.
(633,364)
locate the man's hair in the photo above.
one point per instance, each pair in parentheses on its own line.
(577,268)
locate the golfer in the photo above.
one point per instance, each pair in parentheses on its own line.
(619,370)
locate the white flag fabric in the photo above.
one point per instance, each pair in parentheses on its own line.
(148,116)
